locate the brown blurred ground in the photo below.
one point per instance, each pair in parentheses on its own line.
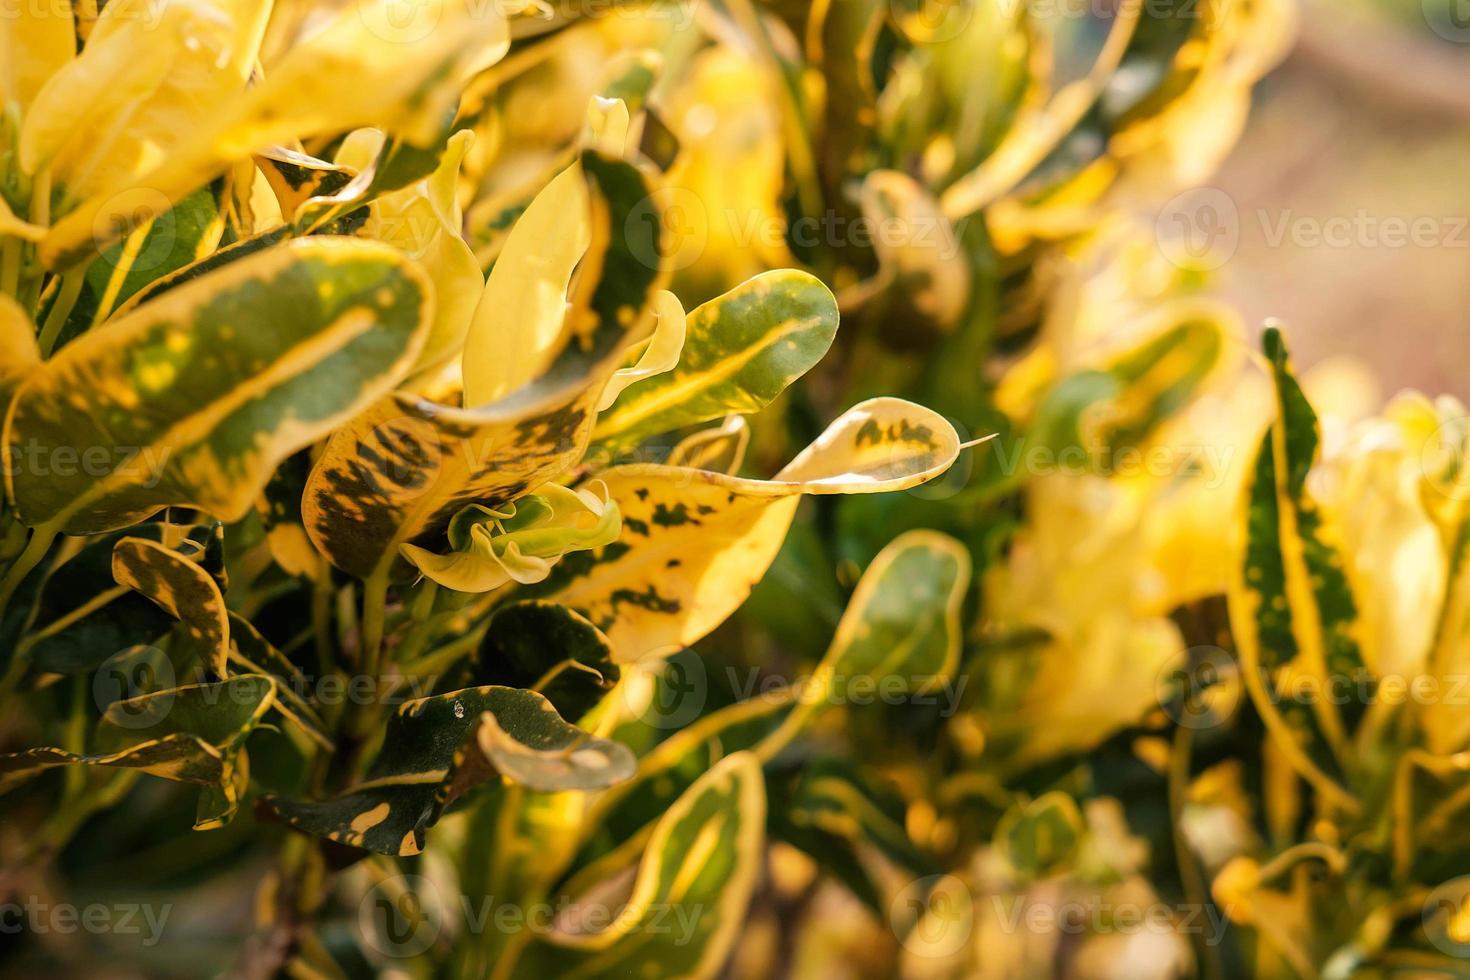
(1362,123)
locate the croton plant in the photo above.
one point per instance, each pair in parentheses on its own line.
(403,566)
(313,509)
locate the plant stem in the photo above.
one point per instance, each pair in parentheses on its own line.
(374,612)
(35,550)
(61,307)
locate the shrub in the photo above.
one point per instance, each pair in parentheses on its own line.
(368,487)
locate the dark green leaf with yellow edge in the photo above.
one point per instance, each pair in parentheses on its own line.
(741,350)
(193,734)
(901,629)
(1042,836)
(193,399)
(182,589)
(158,247)
(1292,610)
(678,898)
(401,470)
(438,748)
(694,543)
(296,177)
(548,648)
(83,615)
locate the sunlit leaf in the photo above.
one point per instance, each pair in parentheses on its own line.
(694,542)
(193,398)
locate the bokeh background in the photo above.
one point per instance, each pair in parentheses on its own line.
(1364,125)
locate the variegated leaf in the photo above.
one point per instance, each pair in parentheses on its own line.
(694,543)
(355,71)
(1292,610)
(183,590)
(548,648)
(902,624)
(194,398)
(436,749)
(741,350)
(193,734)
(700,863)
(403,469)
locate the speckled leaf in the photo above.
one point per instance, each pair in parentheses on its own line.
(438,748)
(1292,609)
(192,734)
(700,864)
(193,399)
(183,590)
(694,543)
(400,471)
(741,350)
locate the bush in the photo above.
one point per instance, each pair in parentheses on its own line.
(374,505)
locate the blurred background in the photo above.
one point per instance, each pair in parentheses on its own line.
(1350,191)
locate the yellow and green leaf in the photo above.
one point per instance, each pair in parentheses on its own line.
(740,351)
(698,868)
(193,734)
(192,399)
(399,472)
(694,543)
(1292,609)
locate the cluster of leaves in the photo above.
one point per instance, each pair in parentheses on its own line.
(322,498)
(368,485)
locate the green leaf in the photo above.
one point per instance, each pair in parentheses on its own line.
(548,648)
(436,749)
(1042,837)
(1292,610)
(698,869)
(522,542)
(741,350)
(193,734)
(193,399)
